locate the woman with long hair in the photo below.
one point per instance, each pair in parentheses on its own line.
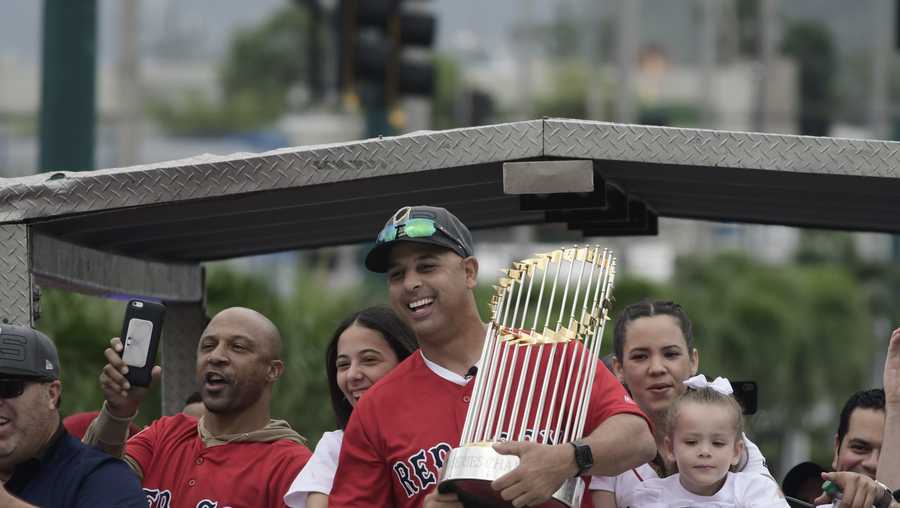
(363,349)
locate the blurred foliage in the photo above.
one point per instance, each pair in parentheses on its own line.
(802,331)
(82,326)
(268,59)
(447,84)
(680,114)
(264,64)
(560,37)
(810,44)
(197,115)
(568,96)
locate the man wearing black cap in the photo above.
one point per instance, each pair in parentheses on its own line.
(403,428)
(40,463)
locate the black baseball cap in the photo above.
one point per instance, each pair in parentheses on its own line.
(26,352)
(437,227)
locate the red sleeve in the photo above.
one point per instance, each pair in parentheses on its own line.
(362,477)
(608,398)
(141,446)
(292,458)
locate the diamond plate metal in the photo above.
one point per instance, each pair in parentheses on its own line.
(666,145)
(53,194)
(15,278)
(178,357)
(62,264)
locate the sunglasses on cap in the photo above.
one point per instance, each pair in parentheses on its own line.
(414,228)
(12,387)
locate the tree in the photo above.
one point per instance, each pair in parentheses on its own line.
(264,65)
(268,60)
(448,78)
(569,94)
(803,333)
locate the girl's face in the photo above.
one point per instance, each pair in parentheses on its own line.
(705,445)
(363,357)
(655,361)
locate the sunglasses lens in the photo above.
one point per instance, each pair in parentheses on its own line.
(419,228)
(11,388)
(387,234)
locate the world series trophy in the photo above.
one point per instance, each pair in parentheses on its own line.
(534,381)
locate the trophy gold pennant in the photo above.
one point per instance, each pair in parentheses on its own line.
(537,368)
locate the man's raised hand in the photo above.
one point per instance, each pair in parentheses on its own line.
(122,399)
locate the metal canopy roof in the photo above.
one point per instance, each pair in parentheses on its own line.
(214,207)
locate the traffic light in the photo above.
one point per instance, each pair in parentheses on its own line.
(385,45)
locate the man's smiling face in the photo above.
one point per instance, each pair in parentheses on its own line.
(428,286)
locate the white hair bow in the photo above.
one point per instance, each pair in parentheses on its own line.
(720,385)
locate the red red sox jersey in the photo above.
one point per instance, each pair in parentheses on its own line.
(180,472)
(400,433)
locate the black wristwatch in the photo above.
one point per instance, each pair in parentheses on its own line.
(584,458)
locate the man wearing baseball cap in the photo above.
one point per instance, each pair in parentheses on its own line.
(40,463)
(403,428)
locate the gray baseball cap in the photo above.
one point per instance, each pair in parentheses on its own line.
(436,226)
(27,352)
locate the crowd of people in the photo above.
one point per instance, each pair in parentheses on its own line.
(657,433)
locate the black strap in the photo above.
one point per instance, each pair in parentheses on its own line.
(796,503)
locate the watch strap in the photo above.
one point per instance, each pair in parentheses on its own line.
(886,497)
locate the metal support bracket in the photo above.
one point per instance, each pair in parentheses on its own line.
(58,263)
(548,177)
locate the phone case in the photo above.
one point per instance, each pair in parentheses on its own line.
(746,393)
(141,330)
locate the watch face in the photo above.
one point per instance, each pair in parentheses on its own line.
(583,456)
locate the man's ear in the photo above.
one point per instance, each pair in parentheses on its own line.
(55,391)
(276,368)
(837,451)
(470,265)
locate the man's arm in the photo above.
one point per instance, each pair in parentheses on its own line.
(108,433)
(602,498)
(109,430)
(619,437)
(889,460)
(858,490)
(623,441)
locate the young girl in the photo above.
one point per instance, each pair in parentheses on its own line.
(364,348)
(703,437)
(654,355)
